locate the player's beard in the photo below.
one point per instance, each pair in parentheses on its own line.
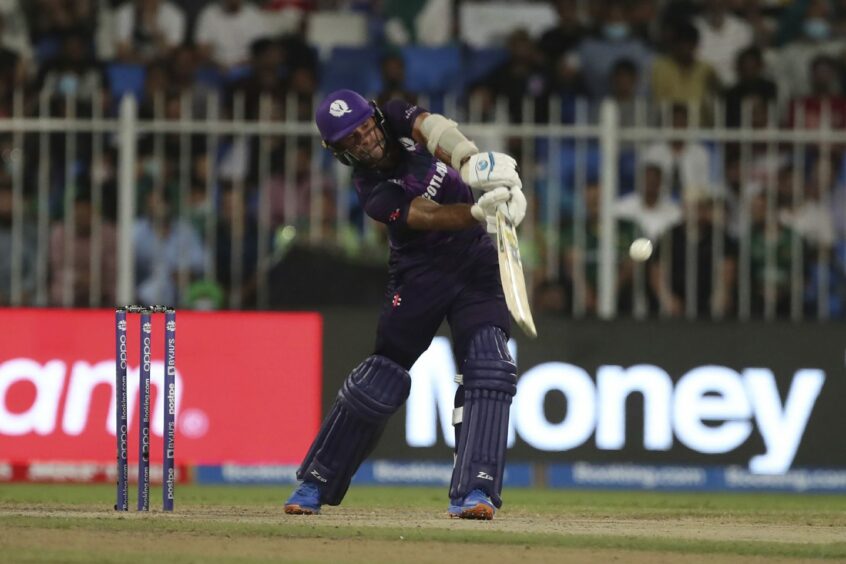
(376,155)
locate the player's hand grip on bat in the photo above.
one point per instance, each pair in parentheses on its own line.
(489,170)
(485,209)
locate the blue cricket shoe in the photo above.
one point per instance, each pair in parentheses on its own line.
(304,501)
(475,505)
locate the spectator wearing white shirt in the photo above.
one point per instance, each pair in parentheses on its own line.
(148,29)
(684,165)
(651,209)
(226,29)
(721,37)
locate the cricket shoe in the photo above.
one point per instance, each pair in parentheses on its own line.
(475,505)
(304,501)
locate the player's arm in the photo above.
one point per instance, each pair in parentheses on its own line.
(480,170)
(427,215)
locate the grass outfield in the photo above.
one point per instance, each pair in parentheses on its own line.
(75,523)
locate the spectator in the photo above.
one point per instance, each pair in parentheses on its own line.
(721,37)
(770,259)
(165,245)
(812,218)
(520,76)
(751,87)
(564,38)
(825,105)
(226,29)
(148,29)
(71,257)
(612,41)
(685,165)
(263,78)
(28,248)
(651,209)
(792,64)
(680,76)
(624,79)
(75,72)
(670,272)
(580,261)
(393,80)
(236,269)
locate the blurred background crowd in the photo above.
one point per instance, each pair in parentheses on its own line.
(742,228)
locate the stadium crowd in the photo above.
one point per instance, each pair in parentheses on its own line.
(723,63)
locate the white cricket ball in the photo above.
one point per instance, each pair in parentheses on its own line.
(641,249)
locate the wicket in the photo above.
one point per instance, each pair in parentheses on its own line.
(169,390)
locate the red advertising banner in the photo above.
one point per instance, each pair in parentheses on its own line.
(248,386)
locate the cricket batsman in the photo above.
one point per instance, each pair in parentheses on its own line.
(414,171)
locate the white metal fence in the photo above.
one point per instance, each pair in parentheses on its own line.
(762,204)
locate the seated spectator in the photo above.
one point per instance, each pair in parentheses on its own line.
(580,255)
(148,29)
(27,253)
(792,63)
(71,257)
(226,29)
(564,38)
(393,80)
(165,245)
(625,76)
(812,218)
(263,78)
(680,76)
(685,165)
(74,73)
(751,86)
(49,20)
(236,267)
(721,37)
(770,259)
(610,42)
(520,76)
(669,271)
(651,210)
(825,104)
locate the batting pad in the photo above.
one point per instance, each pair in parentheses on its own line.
(490,381)
(373,392)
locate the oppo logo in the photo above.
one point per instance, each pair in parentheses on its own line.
(709,409)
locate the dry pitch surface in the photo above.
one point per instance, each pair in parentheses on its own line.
(240,524)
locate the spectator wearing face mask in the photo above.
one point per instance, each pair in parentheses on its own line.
(611,41)
(815,37)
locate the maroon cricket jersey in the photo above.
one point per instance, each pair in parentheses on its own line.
(386,194)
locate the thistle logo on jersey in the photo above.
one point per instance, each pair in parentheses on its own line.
(394,215)
(396,301)
(339,108)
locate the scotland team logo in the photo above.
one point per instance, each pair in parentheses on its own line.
(339,108)
(148,327)
(171,326)
(122,325)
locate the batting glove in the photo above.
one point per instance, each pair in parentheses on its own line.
(485,209)
(516,205)
(489,170)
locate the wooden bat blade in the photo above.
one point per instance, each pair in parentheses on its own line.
(511,273)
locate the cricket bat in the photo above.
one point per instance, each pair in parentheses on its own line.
(511,273)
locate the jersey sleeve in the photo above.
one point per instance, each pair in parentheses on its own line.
(401,115)
(388,203)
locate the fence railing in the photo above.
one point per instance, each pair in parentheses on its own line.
(160,200)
